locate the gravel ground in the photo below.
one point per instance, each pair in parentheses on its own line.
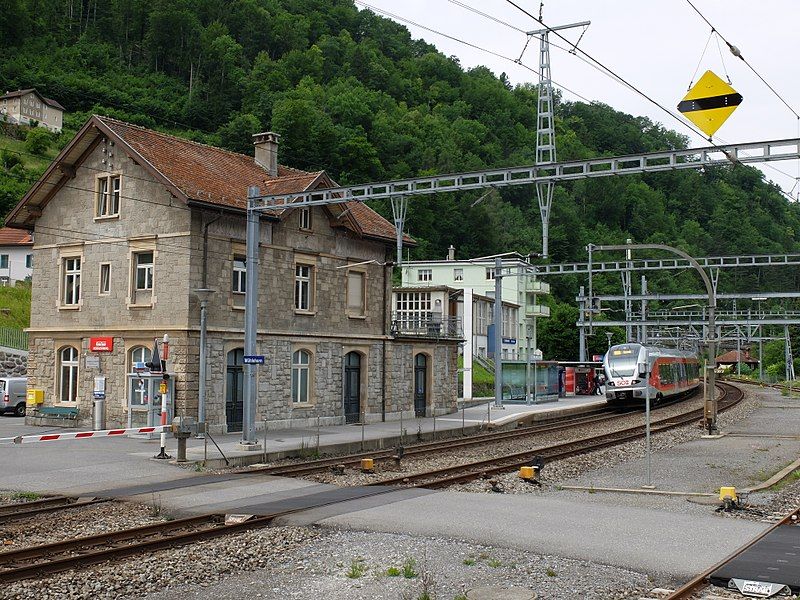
(561,471)
(343,565)
(198,566)
(53,527)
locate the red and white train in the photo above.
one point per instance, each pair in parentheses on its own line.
(672,373)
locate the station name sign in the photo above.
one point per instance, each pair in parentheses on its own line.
(254,359)
(101,344)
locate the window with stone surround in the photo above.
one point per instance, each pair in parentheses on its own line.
(303,288)
(301,376)
(142,276)
(305,218)
(239,275)
(109,189)
(71,282)
(68,374)
(356,293)
(105,279)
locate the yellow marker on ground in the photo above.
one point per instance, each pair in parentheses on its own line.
(709,103)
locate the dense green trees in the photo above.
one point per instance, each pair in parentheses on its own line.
(352,93)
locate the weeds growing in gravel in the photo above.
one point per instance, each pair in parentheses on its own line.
(155,506)
(409,568)
(393,572)
(469,561)
(29,496)
(357,569)
(550,572)
(460,597)
(494,563)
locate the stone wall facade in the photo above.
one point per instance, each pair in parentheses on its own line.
(13,363)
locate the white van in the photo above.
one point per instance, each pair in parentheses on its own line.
(13,392)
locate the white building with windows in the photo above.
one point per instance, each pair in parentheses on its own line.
(16,255)
(520,290)
(24,107)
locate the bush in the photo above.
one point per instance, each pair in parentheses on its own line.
(38,141)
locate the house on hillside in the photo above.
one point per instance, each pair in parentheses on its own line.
(26,106)
(16,255)
(729,360)
(129,223)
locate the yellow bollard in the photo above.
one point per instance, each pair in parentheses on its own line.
(528,473)
(727,493)
(367,465)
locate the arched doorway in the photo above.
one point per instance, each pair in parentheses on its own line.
(352,387)
(234,388)
(420,384)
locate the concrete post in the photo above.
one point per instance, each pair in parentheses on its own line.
(468,344)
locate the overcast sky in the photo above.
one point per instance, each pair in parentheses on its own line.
(653,44)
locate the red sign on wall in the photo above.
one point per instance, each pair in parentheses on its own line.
(101,344)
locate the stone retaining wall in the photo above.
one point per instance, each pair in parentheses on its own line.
(13,363)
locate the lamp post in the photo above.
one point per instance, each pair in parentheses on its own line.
(609,335)
(203,295)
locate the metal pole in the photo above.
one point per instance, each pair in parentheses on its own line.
(738,352)
(498,332)
(164,399)
(201,392)
(528,368)
(649,483)
(760,354)
(581,326)
(643,330)
(535,364)
(250,320)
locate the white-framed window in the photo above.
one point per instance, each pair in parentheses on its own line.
(301,365)
(507,328)
(138,392)
(3,261)
(72,281)
(458,274)
(303,286)
(68,374)
(425,275)
(139,354)
(239,285)
(143,276)
(489,272)
(109,189)
(356,293)
(412,309)
(305,218)
(29,261)
(481,317)
(105,279)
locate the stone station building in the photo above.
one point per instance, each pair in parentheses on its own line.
(130,222)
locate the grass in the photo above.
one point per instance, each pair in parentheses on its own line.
(409,568)
(357,569)
(480,377)
(393,572)
(494,563)
(469,561)
(28,496)
(37,163)
(791,478)
(550,572)
(17,300)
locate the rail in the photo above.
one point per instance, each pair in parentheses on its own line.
(426,325)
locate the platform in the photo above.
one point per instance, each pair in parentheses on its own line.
(773,559)
(341,439)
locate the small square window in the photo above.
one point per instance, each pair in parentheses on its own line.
(425,275)
(489,272)
(458,274)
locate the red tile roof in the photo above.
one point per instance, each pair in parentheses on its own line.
(216,176)
(732,358)
(15,237)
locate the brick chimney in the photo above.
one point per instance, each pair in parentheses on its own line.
(267,151)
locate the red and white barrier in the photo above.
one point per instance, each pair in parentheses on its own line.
(79,435)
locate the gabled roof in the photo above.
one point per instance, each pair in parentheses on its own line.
(15,237)
(20,93)
(732,357)
(196,173)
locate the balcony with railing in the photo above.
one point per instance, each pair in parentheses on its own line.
(536,286)
(536,310)
(426,325)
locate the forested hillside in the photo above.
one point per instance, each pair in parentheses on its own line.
(352,93)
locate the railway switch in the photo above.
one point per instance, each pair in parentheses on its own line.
(367,465)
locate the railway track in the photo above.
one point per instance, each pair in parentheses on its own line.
(464,473)
(317,466)
(700,582)
(23,510)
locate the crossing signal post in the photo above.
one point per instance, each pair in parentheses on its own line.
(163,389)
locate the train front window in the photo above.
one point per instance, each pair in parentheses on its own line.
(622,367)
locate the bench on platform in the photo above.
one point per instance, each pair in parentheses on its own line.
(56,412)
(513,392)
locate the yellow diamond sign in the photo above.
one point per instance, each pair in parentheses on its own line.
(709,103)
